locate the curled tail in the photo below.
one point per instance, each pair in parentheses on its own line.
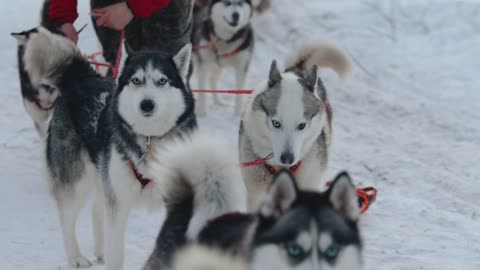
(47,56)
(201,180)
(322,55)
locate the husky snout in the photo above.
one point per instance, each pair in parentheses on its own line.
(287,158)
(147,106)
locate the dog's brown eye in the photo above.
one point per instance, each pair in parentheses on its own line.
(136,81)
(302,126)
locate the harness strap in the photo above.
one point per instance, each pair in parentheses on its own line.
(273,170)
(143,181)
(210,45)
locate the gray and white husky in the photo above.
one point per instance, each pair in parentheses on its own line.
(292,229)
(288,119)
(223,39)
(99,131)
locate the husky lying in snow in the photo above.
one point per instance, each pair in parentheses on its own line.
(290,117)
(293,229)
(98,131)
(223,39)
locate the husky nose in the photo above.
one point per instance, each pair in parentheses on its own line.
(147,105)
(235,16)
(286,158)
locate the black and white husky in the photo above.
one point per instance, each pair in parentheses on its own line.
(223,39)
(288,119)
(98,131)
(293,229)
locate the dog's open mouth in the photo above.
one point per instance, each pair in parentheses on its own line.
(232,24)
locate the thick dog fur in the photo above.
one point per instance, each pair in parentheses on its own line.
(96,130)
(38,100)
(198,257)
(225,26)
(203,181)
(293,229)
(289,115)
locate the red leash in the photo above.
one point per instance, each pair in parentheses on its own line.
(210,45)
(233,92)
(366,196)
(115,68)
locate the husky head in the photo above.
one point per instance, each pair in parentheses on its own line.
(308,230)
(289,115)
(230,15)
(42,53)
(153,92)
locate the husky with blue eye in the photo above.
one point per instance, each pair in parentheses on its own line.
(101,136)
(289,118)
(222,38)
(292,229)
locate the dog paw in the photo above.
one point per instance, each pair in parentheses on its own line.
(80,262)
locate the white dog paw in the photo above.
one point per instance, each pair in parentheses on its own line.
(80,262)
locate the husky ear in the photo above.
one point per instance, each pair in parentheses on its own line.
(274,75)
(182,60)
(343,196)
(311,78)
(280,196)
(21,37)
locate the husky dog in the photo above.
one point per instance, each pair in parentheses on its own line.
(289,117)
(167,30)
(96,132)
(293,229)
(224,39)
(199,257)
(152,106)
(38,99)
(72,146)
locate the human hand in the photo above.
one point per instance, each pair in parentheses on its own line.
(115,16)
(69,30)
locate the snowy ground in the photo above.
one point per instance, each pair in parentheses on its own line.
(407,122)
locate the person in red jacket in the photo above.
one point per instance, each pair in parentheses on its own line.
(64,12)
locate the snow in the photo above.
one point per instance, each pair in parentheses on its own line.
(406,121)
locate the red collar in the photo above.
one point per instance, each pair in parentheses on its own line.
(210,45)
(143,181)
(273,170)
(37,102)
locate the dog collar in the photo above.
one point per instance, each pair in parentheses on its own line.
(210,45)
(273,170)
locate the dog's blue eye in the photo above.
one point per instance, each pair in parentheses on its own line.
(302,126)
(136,81)
(294,250)
(162,81)
(276,124)
(331,252)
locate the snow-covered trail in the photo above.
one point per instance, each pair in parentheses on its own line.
(406,121)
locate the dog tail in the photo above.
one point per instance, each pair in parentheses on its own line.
(197,257)
(47,56)
(322,55)
(201,179)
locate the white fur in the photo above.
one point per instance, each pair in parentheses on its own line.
(168,100)
(210,168)
(198,257)
(210,67)
(274,256)
(266,139)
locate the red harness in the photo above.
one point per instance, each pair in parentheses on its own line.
(366,196)
(143,181)
(210,45)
